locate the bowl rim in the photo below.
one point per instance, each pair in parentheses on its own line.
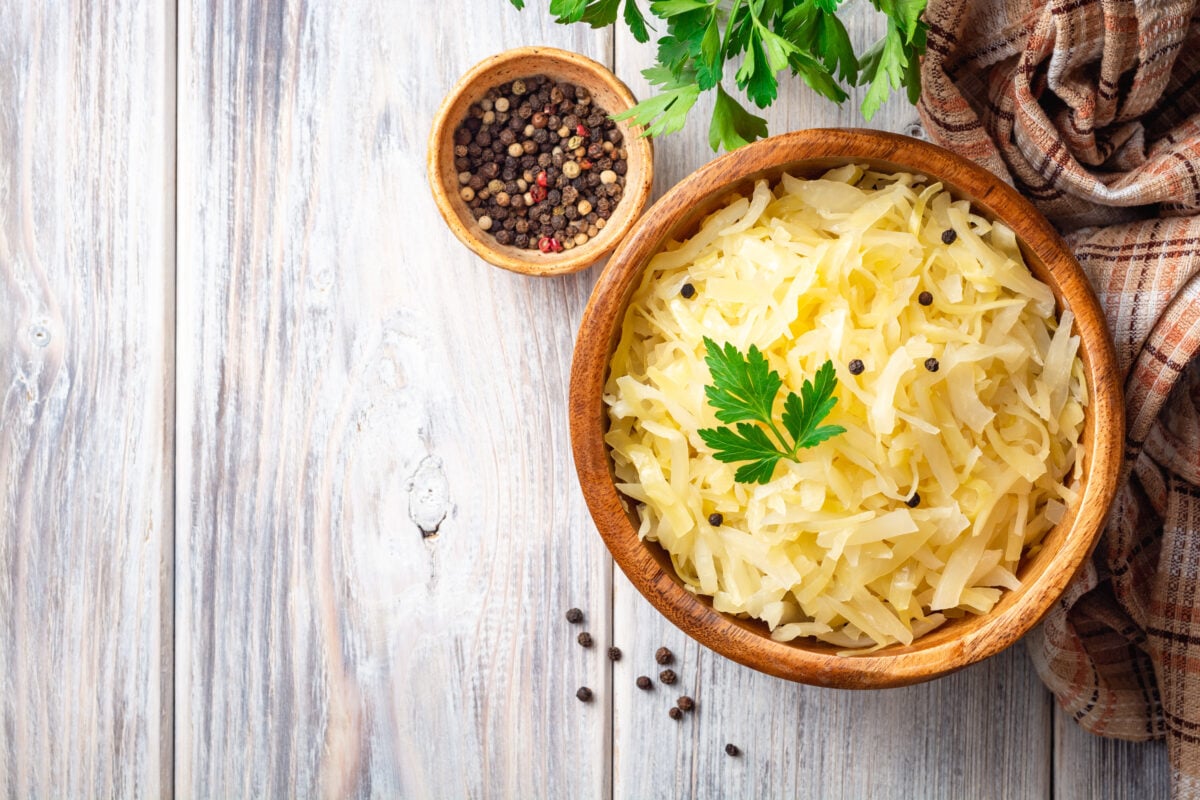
(630,207)
(599,329)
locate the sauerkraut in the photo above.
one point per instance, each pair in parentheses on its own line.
(943,480)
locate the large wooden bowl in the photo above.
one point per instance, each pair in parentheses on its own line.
(1043,575)
(561,65)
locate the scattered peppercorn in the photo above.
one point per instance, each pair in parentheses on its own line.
(949,235)
(931,364)
(925,299)
(685,703)
(584,639)
(574,616)
(674,713)
(584,694)
(856,367)
(667,676)
(716,520)
(614,654)
(688,291)
(644,683)
(913,501)
(563,148)
(663,656)
(732,750)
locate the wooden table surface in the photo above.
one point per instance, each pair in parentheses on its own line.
(286,501)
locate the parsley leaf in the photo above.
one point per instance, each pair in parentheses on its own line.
(883,68)
(636,22)
(665,112)
(803,412)
(744,387)
(670,8)
(805,37)
(816,30)
(747,443)
(743,392)
(733,126)
(567,11)
(600,13)
(756,76)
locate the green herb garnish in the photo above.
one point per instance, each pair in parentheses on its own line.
(743,391)
(705,38)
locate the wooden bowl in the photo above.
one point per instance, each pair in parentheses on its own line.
(609,92)
(1043,575)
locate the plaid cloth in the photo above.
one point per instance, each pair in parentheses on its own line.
(1092,109)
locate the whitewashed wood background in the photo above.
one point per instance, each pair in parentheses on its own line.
(286,502)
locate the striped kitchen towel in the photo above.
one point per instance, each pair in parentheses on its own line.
(1092,109)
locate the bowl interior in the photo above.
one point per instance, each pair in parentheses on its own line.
(1043,574)
(559,65)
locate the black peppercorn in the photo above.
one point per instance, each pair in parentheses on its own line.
(913,501)
(716,520)
(688,291)
(732,750)
(574,615)
(614,654)
(667,676)
(674,713)
(512,132)
(663,656)
(584,639)
(925,299)
(931,364)
(949,235)
(856,367)
(644,683)
(584,694)
(685,703)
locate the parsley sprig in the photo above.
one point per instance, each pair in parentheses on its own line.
(743,391)
(704,39)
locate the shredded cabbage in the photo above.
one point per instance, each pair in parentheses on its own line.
(832,269)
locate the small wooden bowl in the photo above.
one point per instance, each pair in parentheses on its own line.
(1043,575)
(561,65)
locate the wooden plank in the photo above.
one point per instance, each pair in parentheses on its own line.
(984,732)
(379,528)
(86,333)
(1088,767)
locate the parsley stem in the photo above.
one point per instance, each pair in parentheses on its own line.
(782,441)
(729,26)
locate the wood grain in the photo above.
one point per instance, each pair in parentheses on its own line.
(86,268)
(1088,767)
(980,733)
(379,532)
(378,528)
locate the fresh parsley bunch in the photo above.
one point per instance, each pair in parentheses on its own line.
(743,392)
(704,38)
